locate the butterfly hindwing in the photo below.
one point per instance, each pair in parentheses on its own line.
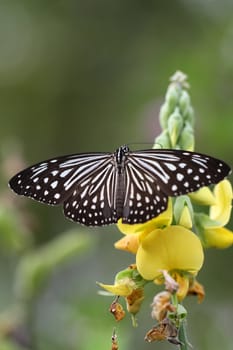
(92,201)
(144,198)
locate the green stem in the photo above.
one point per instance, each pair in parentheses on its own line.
(174,299)
(183,337)
(181,325)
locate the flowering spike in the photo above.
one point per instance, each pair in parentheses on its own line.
(167,248)
(176,116)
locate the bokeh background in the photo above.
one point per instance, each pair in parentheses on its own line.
(85,75)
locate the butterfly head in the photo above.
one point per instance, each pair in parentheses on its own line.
(121,153)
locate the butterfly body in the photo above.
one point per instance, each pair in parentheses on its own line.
(99,188)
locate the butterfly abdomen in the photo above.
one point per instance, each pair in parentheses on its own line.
(120,195)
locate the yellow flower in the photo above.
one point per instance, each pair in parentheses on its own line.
(130,285)
(218,237)
(174,248)
(126,281)
(211,227)
(204,196)
(122,288)
(128,243)
(221,210)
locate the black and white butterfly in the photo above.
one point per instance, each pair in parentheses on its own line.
(99,188)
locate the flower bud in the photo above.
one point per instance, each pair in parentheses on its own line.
(175,124)
(186,140)
(162,141)
(185,105)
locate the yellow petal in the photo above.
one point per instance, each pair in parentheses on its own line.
(128,243)
(183,281)
(173,248)
(218,237)
(204,196)
(164,219)
(117,289)
(221,211)
(185,218)
(196,288)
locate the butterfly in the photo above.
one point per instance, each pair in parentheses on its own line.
(98,189)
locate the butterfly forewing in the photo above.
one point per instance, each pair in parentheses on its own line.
(180,172)
(53,181)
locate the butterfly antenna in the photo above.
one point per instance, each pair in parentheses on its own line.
(139,143)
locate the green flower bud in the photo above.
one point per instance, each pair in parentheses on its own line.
(186,140)
(171,101)
(181,312)
(164,115)
(180,79)
(179,213)
(184,102)
(172,96)
(175,124)
(162,141)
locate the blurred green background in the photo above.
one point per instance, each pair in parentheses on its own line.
(88,75)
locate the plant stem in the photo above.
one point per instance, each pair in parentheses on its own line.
(183,337)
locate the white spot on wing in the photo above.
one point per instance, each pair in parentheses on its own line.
(182,165)
(170,166)
(179,176)
(65,172)
(54,184)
